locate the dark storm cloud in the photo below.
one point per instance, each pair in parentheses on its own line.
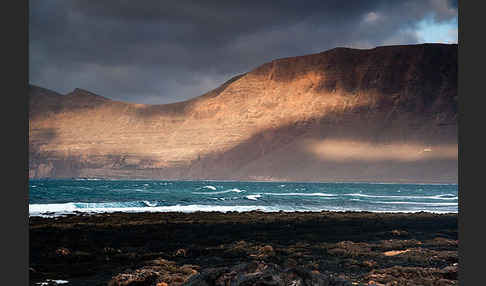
(166,51)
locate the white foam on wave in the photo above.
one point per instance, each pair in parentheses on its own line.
(81,206)
(253,197)
(210,187)
(140,190)
(436,197)
(302,194)
(150,204)
(53,210)
(220,192)
(43,208)
(417,203)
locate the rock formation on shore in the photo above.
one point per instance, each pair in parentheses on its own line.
(248,248)
(387,114)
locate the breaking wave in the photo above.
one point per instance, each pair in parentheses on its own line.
(437,197)
(220,192)
(50,210)
(210,187)
(302,194)
(253,197)
(53,210)
(59,197)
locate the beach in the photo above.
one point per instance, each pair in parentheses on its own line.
(245,248)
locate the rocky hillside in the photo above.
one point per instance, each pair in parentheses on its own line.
(386,114)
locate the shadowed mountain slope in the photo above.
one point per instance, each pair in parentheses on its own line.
(387,114)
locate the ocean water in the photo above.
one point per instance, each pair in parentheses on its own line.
(59,197)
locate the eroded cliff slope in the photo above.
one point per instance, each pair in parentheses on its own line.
(386,114)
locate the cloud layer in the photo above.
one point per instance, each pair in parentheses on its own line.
(166,51)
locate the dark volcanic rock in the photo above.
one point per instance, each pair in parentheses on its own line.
(156,272)
(251,248)
(261,273)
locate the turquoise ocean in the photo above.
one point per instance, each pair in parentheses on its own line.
(60,197)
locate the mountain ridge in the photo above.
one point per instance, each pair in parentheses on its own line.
(261,124)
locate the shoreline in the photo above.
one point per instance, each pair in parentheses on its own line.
(202,248)
(350,181)
(48,214)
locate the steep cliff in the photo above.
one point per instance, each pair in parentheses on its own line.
(386,114)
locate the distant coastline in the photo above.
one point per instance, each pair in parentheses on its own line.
(390,116)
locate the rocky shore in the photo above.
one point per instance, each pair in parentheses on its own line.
(252,248)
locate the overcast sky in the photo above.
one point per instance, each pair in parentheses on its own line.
(167,51)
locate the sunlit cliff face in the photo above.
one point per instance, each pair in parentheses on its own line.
(344,106)
(348,150)
(247,107)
